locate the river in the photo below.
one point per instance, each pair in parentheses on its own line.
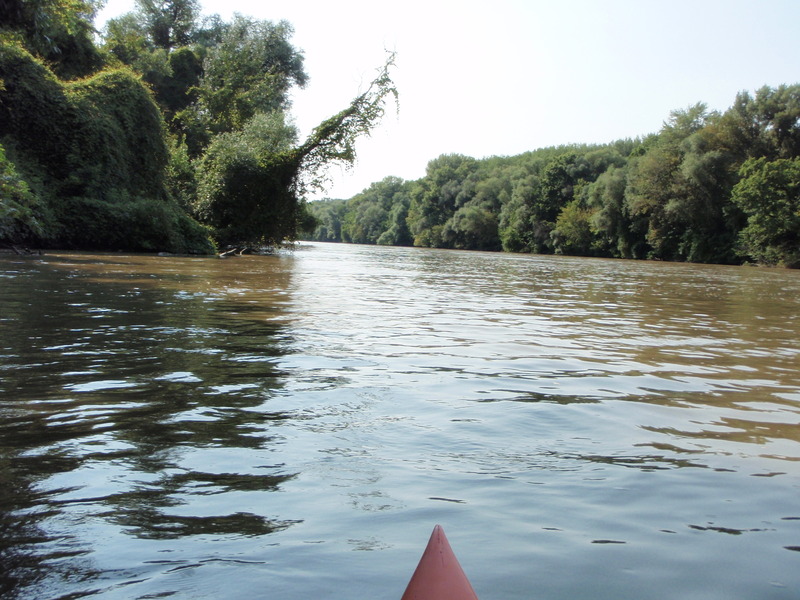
(293,426)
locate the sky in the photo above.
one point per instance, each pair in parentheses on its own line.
(504,77)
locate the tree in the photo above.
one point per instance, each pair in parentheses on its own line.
(769,194)
(516,215)
(616,234)
(244,187)
(556,189)
(249,71)
(371,212)
(93,153)
(334,140)
(329,215)
(766,124)
(126,38)
(173,75)
(58,31)
(472,227)
(435,199)
(169,23)
(20,209)
(398,233)
(573,230)
(364,223)
(252,180)
(229,73)
(658,194)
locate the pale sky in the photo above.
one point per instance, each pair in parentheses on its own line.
(508,76)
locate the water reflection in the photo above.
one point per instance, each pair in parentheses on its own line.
(166,420)
(116,374)
(575,331)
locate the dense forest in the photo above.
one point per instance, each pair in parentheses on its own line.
(168,131)
(164,132)
(708,187)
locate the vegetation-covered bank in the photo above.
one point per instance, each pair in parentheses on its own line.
(87,162)
(708,187)
(172,134)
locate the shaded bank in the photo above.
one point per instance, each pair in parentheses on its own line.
(89,163)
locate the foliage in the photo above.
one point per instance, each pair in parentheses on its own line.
(252,180)
(572,233)
(377,215)
(92,149)
(208,77)
(769,194)
(334,140)
(112,147)
(766,124)
(329,215)
(397,233)
(246,185)
(113,173)
(169,23)
(681,188)
(181,175)
(58,31)
(249,71)
(20,209)
(472,227)
(678,194)
(171,74)
(177,92)
(117,142)
(616,233)
(437,197)
(133,224)
(374,211)
(125,38)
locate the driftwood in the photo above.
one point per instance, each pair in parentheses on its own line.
(261,250)
(21,251)
(235,252)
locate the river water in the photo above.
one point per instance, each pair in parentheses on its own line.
(293,426)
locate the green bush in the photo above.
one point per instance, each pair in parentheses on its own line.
(246,187)
(20,210)
(142,225)
(97,149)
(769,194)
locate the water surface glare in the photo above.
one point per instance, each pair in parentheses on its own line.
(293,426)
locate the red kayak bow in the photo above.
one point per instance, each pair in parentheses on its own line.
(438,575)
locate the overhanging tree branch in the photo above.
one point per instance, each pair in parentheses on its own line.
(333,140)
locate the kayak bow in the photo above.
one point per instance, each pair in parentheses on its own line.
(438,575)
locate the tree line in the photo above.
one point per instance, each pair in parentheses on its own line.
(168,131)
(711,187)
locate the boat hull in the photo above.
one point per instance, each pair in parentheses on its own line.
(439,575)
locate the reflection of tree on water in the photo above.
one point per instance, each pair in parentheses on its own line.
(127,370)
(28,553)
(144,511)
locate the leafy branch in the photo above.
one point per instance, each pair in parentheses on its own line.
(333,140)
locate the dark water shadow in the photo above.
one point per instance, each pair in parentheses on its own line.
(126,364)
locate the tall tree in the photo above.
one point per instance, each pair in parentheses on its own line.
(59,31)
(249,71)
(616,233)
(252,180)
(657,190)
(169,23)
(769,193)
(373,211)
(434,200)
